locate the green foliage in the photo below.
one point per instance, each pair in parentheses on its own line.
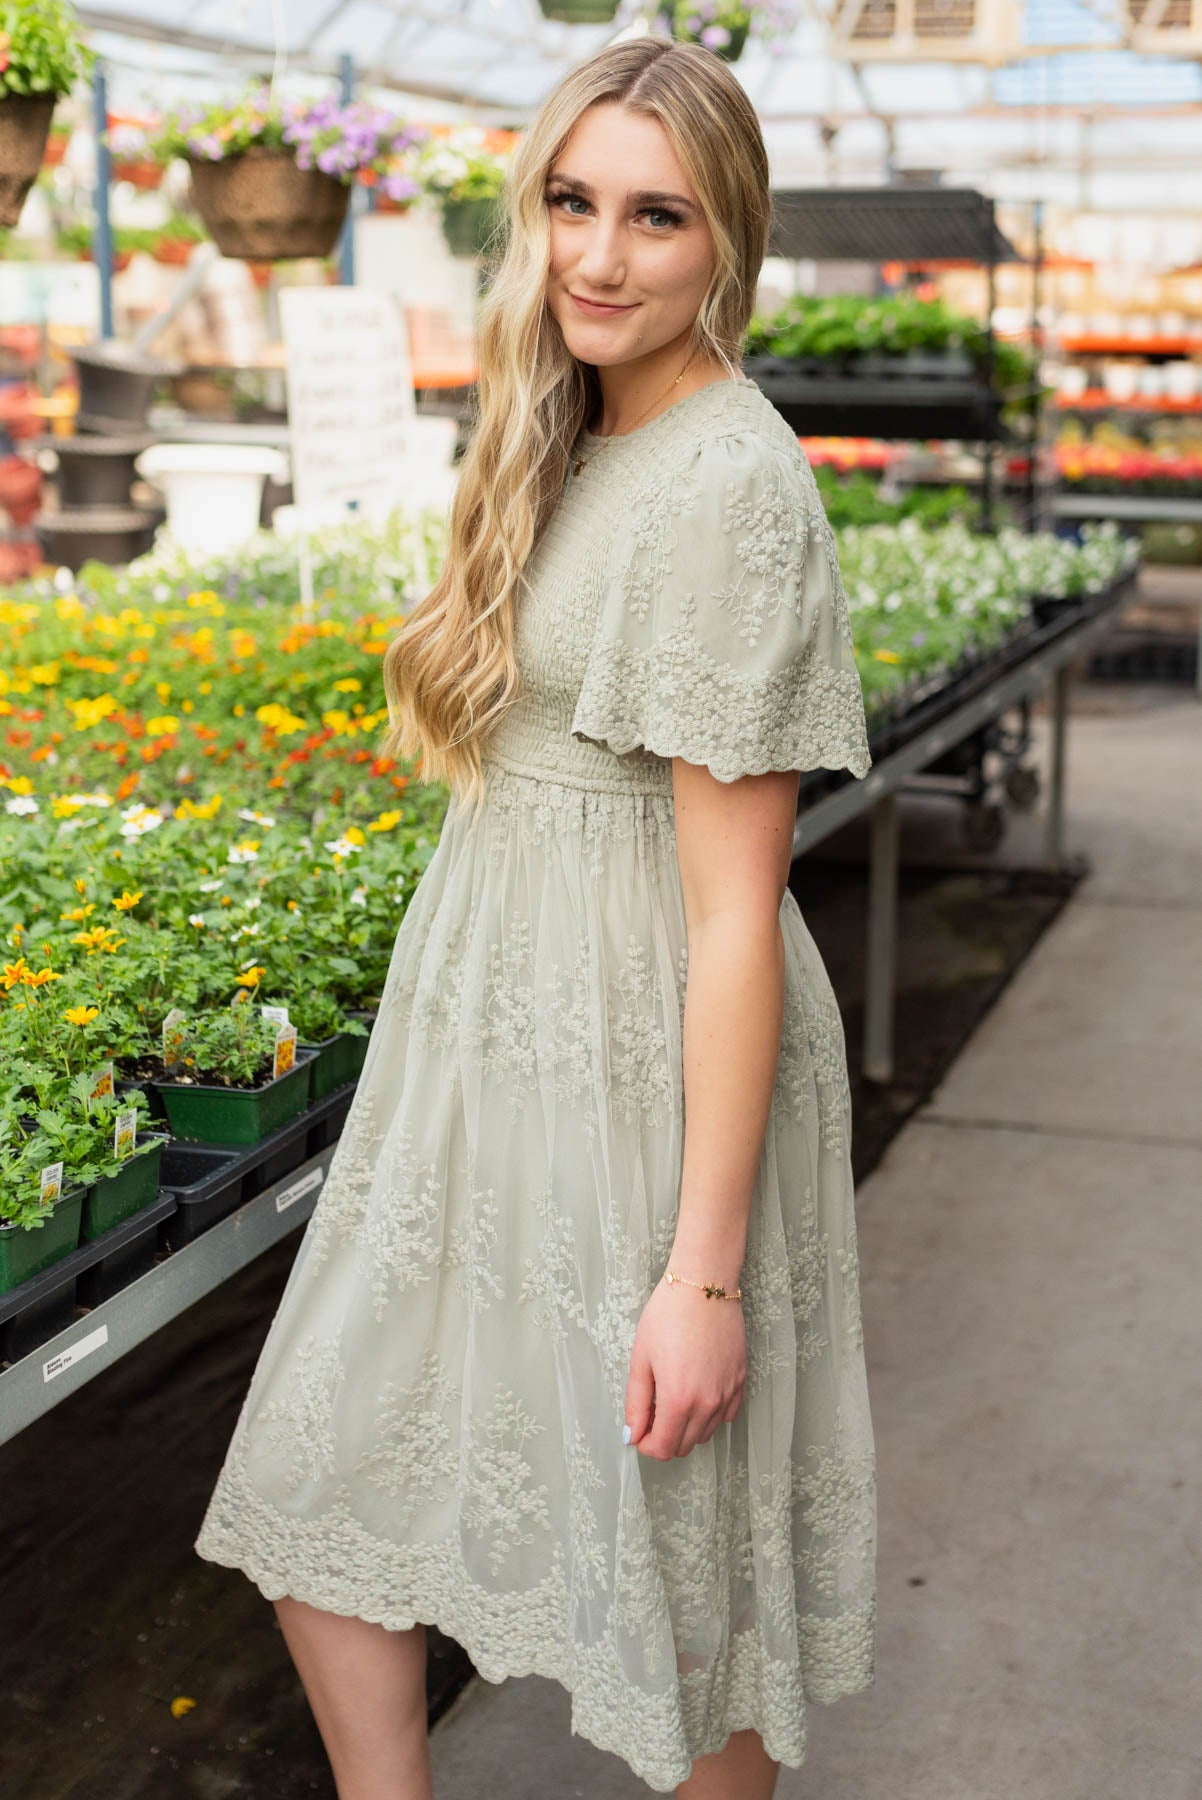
(846,326)
(42,50)
(233,1046)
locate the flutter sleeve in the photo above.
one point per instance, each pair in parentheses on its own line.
(722,635)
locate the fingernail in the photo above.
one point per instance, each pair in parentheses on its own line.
(626,1434)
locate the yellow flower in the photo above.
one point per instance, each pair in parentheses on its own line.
(354,835)
(78,914)
(81,886)
(41,979)
(387,821)
(199,809)
(14,973)
(19,784)
(65,806)
(100,937)
(163,725)
(81,1015)
(163,690)
(347,686)
(181,1705)
(250,978)
(127,901)
(887,656)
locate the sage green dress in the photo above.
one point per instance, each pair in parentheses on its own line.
(433,1430)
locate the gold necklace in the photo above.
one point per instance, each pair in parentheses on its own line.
(613,434)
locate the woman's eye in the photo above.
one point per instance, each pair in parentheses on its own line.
(558,199)
(663,213)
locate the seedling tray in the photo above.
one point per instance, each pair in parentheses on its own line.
(46,1304)
(208,1181)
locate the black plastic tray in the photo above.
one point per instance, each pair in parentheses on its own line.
(47,1303)
(208,1181)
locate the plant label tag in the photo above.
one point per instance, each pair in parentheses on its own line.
(51,1183)
(173,1037)
(84,1346)
(278,1015)
(285,1050)
(125,1134)
(298,1189)
(104,1088)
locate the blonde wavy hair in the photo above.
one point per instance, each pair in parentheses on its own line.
(451,670)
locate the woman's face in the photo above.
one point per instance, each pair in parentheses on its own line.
(626,229)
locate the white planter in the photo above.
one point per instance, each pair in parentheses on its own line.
(213,492)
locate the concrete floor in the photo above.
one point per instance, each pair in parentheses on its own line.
(1031,1269)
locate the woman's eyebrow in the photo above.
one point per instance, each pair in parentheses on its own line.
(644,196)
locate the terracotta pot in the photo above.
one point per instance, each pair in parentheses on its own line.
(20,488)
(56,150)
(382,204)
(176,253)
(260,273)
(144,175)
(24,130)
(261,207)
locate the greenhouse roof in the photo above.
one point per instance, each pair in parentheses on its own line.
(1052,99)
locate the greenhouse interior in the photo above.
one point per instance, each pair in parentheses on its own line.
(246,247)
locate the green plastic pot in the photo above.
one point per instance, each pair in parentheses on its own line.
(579,12)
(337,1060)
(327,1065)
(27,1250)
(468,225)
(119,1196)
(227,1115)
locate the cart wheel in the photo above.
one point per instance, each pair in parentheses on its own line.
(983,824)
(1022,788)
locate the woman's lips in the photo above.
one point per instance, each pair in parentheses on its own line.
(598,309)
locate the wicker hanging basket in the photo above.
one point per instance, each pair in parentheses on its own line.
(261,207)
(24,129)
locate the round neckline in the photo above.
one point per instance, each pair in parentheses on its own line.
(593,437)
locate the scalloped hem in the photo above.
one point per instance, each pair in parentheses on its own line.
(658,1736)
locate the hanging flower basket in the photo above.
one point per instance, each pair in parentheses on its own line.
(729,52)
(579,12)
(272,182)
(261,205)
(42,56)
(24,130)
(468,225)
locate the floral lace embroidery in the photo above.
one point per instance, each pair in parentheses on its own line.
(415,1455)
(639,1076)
(552,1278)
(472,1250)
(300,1422)
(500,1496)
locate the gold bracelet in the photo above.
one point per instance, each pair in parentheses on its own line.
(712,1289)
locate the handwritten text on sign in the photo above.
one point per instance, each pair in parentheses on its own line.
(350,396)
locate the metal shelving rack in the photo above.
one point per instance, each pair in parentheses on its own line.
(881,224)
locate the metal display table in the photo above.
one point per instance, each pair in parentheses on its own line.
(1052,649)
(33,1385)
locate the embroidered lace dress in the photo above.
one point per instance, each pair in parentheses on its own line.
(433,1429)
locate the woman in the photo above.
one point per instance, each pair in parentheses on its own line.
(582,1387)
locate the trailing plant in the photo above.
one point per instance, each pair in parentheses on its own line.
(42,48)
